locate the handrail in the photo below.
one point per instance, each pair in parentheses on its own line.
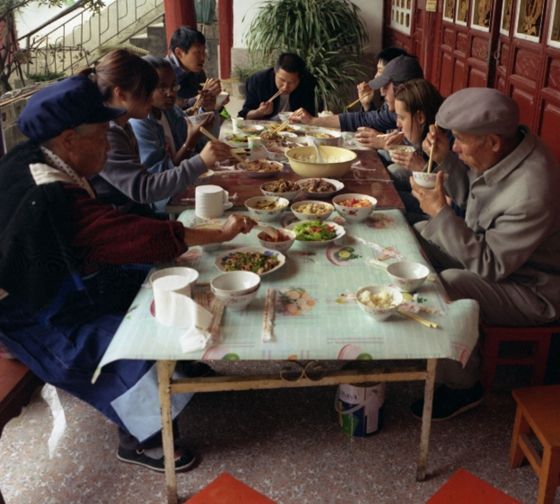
(68,44)
(60,15)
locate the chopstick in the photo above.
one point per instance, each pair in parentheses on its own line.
(218,312)
(350,105)
(420,320)
(269,307)
(431,159)
(274,96)
(209,135)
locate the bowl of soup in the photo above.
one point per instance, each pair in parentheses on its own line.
(337,161)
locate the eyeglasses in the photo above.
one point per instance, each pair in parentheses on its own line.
(169,89)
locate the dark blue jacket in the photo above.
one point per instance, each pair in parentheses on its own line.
(261,86)
(381,119)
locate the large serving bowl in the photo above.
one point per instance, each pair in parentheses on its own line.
(266,208)
(312,210)
(286,240)
(378,301)
(337,161)
(235,289)
(409,276)
(354,207)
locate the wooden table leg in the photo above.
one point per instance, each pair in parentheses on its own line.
(164,371)
(426,419)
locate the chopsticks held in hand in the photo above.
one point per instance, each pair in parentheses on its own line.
(274,96)
(209,135)
(351,104)
(431,159)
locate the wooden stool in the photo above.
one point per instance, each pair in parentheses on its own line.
(537,337)
(538,413)
(465,488)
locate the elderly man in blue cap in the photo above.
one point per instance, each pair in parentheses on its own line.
(70,265)
(505,253)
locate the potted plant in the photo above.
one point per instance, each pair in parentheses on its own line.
(328,34)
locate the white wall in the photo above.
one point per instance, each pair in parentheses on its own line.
(371,11)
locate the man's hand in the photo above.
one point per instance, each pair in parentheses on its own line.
(212,87)
(432,201)
(301,116)
(438,138)
(214,152)
(264,109)
(236,224)
(365,94)
(375,140)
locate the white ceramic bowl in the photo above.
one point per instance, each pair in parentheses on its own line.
(399,148)
(323,137)
(266,214)
(235,282)
(424,179)
(379,301)
(190,275)
(349,205)
(409,276)
(289,195)
(197,119)
(228,288)
(337,161)
(281,246)
(284,116)
(220,99)
(250,128)
(312,210)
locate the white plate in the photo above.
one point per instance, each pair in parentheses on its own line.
(312,195)
(281,257)
(340,232)
(264,174)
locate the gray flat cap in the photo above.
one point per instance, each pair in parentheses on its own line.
(479,111)
(397,71)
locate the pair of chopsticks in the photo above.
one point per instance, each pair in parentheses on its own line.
(268,321)
(351,104)
(431,159)
(420,320)
(209,135)
(274,96)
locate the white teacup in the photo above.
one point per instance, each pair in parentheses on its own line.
(210,201)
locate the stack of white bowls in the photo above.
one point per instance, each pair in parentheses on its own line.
(210,201)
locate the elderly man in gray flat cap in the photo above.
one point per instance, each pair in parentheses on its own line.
(70,265)
(505,253)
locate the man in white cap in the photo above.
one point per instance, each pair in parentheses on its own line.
(505,253)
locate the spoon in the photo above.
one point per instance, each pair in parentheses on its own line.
(314,143)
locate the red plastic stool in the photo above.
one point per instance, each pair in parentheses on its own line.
(226,489)
(464,488)
(538,338)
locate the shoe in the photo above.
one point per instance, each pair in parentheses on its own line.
(194,369)
(185,461)
(449,402)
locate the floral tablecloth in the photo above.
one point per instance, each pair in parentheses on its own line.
(316,316)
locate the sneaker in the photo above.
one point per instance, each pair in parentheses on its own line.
(449,402)
(184,459)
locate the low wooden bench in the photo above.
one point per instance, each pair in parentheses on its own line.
(17,385)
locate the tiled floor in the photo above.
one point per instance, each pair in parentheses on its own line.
(285,443)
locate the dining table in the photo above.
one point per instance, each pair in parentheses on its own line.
(367,175)
(305,314)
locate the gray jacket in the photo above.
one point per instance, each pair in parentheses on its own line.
(125,179)
(511,230)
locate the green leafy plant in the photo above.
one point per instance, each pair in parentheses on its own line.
(328,34)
